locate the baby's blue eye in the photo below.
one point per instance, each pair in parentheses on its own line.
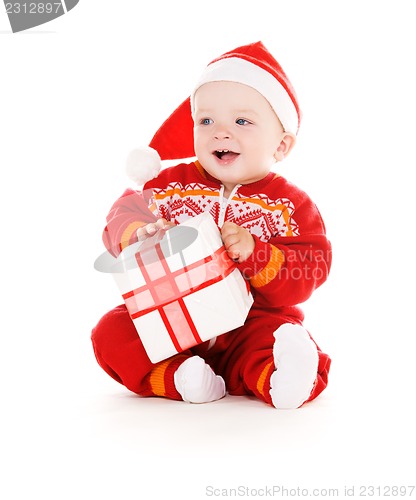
(206,121)
(241,121)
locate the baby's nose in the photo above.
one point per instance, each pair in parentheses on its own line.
(222,132)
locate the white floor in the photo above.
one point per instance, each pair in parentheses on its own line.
(69,432)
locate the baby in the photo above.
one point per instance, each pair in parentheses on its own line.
(241,118)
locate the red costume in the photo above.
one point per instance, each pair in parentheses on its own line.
(292,257)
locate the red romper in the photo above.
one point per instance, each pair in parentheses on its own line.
(292,257)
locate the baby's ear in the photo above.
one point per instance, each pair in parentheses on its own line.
(285,147)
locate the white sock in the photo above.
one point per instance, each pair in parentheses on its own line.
(296,360)
(197,383)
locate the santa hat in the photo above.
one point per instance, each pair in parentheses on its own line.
(251,65)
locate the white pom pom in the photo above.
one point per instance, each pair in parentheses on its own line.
(143,164)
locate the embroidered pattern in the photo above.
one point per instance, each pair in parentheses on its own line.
(262,216)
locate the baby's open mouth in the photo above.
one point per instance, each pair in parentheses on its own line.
(225,154)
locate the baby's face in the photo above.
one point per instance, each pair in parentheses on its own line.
(236,133)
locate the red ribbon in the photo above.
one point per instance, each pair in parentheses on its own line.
(165,290)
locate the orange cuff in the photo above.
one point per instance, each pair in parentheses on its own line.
(270,270)
(129,232)
(162,377)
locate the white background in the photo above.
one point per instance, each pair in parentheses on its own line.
(76,95)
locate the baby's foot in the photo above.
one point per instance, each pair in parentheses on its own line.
(197,383)
(296,360)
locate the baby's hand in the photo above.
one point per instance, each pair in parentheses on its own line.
(152,228)
(237,241)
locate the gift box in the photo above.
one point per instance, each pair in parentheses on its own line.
(180,287)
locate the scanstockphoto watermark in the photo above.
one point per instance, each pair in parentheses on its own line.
(24,15)
(280,491)
(272,491)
